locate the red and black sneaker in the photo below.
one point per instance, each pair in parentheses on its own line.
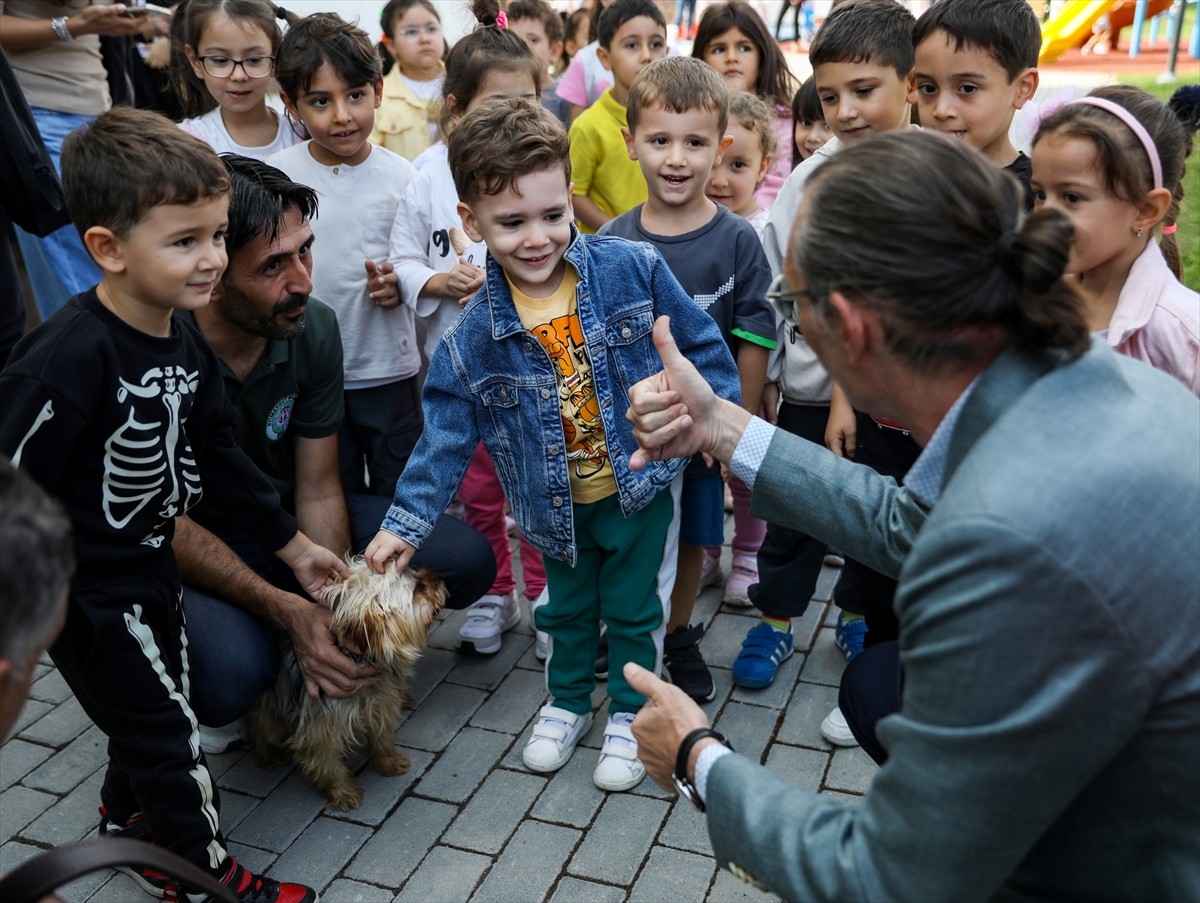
(136,827)
(249,888)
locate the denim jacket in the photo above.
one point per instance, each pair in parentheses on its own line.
(490,379)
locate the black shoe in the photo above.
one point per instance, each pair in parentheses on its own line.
(602,658)
(685,664)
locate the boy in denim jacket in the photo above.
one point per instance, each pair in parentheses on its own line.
(539,366)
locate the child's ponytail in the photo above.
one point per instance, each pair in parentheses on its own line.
(1185,104)
(490,46)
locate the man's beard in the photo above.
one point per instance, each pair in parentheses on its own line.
(241,310)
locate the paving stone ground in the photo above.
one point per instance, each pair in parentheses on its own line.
(468,822)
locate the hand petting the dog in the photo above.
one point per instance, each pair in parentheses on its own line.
(325,668)
(383,547)
(315,567)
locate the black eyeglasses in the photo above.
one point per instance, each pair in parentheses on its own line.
(787,303)
(223,66)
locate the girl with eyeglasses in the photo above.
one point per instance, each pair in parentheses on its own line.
(413,50)
(222,62)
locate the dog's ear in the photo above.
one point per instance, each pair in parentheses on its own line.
(430,588)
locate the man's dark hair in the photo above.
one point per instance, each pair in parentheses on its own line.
(618,13)
(260,196)
(36,566)
(878,32)
(1007,30)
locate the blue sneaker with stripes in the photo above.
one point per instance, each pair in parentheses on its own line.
(763,650)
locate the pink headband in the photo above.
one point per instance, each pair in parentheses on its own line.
(1134,126)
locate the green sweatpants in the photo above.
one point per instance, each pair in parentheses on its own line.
(623,575)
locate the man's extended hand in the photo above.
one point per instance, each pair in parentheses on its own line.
(668,716)
(673,411)
(324,667)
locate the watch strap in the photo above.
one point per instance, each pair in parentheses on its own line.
(682,782)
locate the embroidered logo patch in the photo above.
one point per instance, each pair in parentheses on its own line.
(280,417)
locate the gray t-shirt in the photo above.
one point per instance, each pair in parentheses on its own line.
(721,265)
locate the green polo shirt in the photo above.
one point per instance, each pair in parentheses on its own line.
(295,389)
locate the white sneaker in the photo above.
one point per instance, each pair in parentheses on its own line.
(541,648)
(554,738)
(619,767)
(486,620)
(217,740)
(835,729)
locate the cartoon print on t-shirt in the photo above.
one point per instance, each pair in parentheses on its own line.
(587,449)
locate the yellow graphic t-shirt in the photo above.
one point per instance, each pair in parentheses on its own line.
(554,321)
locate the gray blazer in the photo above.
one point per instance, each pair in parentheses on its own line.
(1048,739)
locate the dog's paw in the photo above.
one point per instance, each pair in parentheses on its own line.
(345,795)
(391,763)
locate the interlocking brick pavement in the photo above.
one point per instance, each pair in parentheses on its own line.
(467,822)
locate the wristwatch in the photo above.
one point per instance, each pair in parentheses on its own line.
(683,784)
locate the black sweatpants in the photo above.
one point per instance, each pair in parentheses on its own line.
(123,652)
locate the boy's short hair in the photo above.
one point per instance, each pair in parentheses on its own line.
(498,143)
(866,31)
(678,84)
(621,11)
(126,161)
(538,9)
(752,113)
(325,38)
(1007,30)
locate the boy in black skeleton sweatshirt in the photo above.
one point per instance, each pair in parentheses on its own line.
(119,411)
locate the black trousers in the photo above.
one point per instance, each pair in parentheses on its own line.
(870,691)
(890,452)
(124,653)
(789,561)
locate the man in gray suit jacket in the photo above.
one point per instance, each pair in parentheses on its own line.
(1048,739)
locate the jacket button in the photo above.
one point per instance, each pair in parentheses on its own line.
(545,393)
(626,332)
(553,449)
(557,501)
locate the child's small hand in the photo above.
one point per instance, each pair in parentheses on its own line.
(769,407)
(464,280)
(383,547)
(383,283)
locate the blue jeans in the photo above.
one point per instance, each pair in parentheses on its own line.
(232,653)
(58,265)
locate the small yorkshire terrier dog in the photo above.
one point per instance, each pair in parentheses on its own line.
(386,616)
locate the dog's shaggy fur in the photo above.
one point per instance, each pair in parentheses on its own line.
(387,617)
